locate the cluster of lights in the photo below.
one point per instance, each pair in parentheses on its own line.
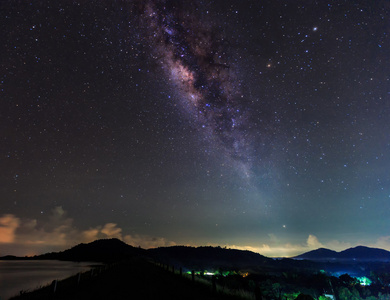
(217,273)
(364,281)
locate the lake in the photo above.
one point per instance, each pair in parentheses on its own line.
(29,275)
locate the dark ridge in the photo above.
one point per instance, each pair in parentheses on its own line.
(365,253)
(207,257)
(360,253)
(111,250)
(322,253)
(105,250)
(11,257)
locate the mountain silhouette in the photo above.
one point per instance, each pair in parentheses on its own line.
(111,250)
(360,253)
(208,257)
(105,250)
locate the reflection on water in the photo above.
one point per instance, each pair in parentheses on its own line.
(29,275)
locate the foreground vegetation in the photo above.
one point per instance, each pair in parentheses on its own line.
(140,279)
(132,279)
(131,272)
(315,285)
(319,285)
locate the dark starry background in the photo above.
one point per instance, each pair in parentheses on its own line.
(97,136)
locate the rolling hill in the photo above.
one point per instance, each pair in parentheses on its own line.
(359,253)
(105,250)
(208,257)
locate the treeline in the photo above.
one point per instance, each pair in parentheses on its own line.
(290,285)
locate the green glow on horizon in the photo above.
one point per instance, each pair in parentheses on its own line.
(364,280)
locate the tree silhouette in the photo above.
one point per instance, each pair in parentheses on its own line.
(304,297)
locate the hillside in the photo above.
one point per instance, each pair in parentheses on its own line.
(359,253)
(208,257)
(133,279)
(105,250)
(149,274)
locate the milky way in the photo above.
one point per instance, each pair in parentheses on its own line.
(247,123)
(195,58)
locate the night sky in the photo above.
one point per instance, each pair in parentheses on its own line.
(260,125)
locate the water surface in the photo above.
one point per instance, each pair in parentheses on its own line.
(19,275)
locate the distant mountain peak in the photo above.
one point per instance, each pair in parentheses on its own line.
(99,250)
(363,253)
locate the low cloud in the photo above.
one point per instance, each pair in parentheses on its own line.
(285,250)
(383,242)
(111,230)
(278,249)
(8,225)
(147,241)
(313,243)
(30,237)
